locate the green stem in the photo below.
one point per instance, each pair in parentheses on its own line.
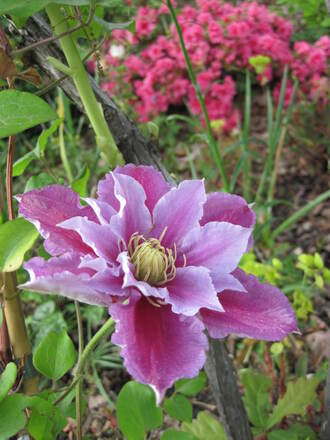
(79,383)
(93,109)
(280,143)
(274,131)
(106,328)
(82,360)
(245,137)
(64,157)
(212,142)
(289,222)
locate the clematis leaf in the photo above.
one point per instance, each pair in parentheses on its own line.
(22,110)
(137,411)
(190,387)
(16,237)
(12,415)
(55,355)
(7,379)
(179,408)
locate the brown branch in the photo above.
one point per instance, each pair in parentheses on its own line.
(221,374)
(327,4)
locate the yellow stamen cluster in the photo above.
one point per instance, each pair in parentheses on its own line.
(153,262)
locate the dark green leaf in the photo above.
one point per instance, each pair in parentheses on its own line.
(190,387)
(7,379)
(22,110)
(55,355)
(16,237)
(297,397)
(137,411)
(256,399)
(205,427)
(179,408)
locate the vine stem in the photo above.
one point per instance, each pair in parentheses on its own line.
(86,352)
(64,157)
(212,142)
(93,109)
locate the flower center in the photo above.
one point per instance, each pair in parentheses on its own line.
(153,262)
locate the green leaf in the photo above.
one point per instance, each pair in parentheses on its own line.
(171,434)
(179,408)
(40,426)
(12,416)
(128,25)
(38,181)
(55,355)
(7,379)
(24,8)
(190,387)
(22,110)
(21,8)
(256,398)
(80,184)
(205,427)
(16,237)
(43,138)
(295,432)
(297,397)
(21,164)
(137,411)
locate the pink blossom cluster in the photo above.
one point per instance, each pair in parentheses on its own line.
(220,39)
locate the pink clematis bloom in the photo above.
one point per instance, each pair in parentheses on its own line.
(163,260)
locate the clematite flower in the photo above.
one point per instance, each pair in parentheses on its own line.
(163,260)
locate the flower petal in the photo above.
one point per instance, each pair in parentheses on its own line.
(152,181)
(223,207)
(263,312)
(106,192)
(47,207)
(190,290)
(179,210)
(133,215)
(158,346)
(225,281)
(99,237)
(62,276)
(218,246)
(102,210)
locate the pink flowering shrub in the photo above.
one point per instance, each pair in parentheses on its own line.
(220,39)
